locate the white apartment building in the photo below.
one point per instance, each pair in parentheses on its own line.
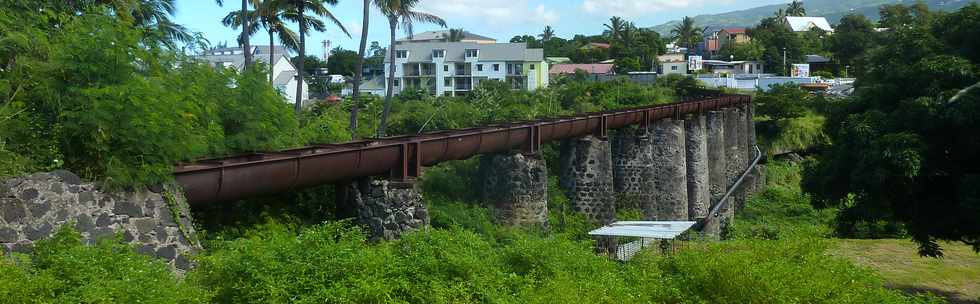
(455,68)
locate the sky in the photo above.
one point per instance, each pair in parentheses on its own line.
(500,19)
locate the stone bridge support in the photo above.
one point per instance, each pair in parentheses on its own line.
(696,146)
(632,157)
(717,167)
(734,159)
(516,186)
(670,202)
(388,209)
(586,177)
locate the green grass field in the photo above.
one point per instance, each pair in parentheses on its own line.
(955,277)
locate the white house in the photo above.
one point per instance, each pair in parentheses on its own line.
(283,71)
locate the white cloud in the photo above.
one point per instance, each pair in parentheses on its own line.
(491,12)
(635,8)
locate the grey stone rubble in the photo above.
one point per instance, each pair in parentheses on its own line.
(390,209)
(516,186)
(34,207)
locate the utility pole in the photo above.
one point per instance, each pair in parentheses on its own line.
(326,51)
(784,63)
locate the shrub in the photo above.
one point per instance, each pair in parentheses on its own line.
(64,270)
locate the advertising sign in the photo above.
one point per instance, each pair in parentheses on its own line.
(694,63)
(800,70)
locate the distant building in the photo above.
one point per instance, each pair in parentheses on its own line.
(592,69)
(455,68)
(441,36)
(820,63)
(373,86)
(804,24)
(672,63)
(283,71)
(733,67)
(735,35)
(595,45)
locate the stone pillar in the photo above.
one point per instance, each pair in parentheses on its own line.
(734,162)
(696,145)
(390,209)
(741,194)
(516,186)
(717,166)
(669,171)
(587,166)
(632,166)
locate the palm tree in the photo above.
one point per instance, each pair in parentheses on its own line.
(399,11)
(614,27)
(795,9)
(686,33)
(243,38)
(270,15)
(547,34)
(296,12)
(359,69)
(454,35)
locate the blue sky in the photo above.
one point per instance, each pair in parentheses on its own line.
(500,19)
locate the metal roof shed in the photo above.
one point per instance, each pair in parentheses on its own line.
(646,232)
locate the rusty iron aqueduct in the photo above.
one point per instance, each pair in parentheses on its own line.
(674,161)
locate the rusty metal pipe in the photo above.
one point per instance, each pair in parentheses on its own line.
(249,175)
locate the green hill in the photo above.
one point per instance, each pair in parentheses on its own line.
(832,9)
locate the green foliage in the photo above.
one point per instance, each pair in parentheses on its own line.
(782,210)
(903,151)
(788,120)
(91,97)
(64,270)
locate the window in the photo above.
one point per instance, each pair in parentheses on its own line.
(397,82)
(532,67)
(438,53)
(472,53)
(445,68)
(673,68)
(479,67)
(401,54)
(496,67)
(448,82)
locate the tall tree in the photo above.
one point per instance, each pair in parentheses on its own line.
(687,33)
(399,11)
(454,35)
(547,34)
(359,68)
(851,38)
(297,12)
(796,9)
(244,36)
(614,27)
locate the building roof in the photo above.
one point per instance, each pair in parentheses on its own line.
(803,24)
(455,51)
(260,53)
(645,229)
(817,59)
(734,30)
(439,35)
(597,68)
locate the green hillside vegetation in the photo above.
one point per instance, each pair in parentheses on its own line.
(833,10)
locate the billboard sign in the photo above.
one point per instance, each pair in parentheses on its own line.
(694,63)
(800,70)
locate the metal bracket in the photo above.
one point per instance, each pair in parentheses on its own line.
(410,167)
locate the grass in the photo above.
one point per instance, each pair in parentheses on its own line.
(955,277)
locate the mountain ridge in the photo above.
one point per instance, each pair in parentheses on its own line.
(833,10)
